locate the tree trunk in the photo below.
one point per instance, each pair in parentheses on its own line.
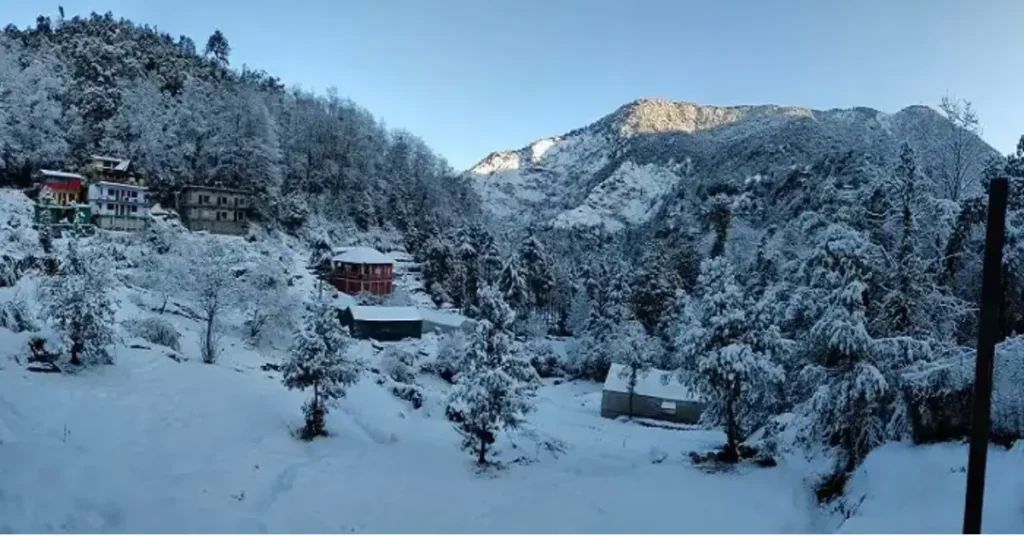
(76,348)
(732,439)
(210,356)
(481,453)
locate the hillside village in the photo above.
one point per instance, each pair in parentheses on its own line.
(260,310)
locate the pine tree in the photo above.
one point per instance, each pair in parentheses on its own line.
(653,289)
(494,387)
(319,361)
(539,272)
(637,353)
(727,356)
(45,223)
(514,289)
(849,391)
(78,301)
(218,47)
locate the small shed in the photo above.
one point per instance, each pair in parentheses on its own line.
(653,397)
(382,323)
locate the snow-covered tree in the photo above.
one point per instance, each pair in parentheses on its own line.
(45,223)
(267,301)
(78,301)
(538,271)
(494,388)
(958,173)
(727,355)
(848,402)
(319,360)
(637,352)
(218,47)
(514,289)
(213,288)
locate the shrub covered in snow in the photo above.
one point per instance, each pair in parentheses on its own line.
(450,351)
(155,330)
(544,359)
(398,364)
(938,395)
(16,316)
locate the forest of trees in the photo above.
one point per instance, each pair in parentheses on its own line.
(99,85)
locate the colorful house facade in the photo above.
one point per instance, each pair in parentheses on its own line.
(118,206)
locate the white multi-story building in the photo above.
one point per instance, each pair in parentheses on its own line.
(118,206)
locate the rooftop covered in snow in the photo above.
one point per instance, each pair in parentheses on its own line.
(361,255)
(380,313)
(120,164)
(651,384)
(60,174)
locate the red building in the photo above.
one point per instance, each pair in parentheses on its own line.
(361,269)
(66,188)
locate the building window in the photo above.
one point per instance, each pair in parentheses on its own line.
(135,209)
(134,194)
(110,206)
(668,407)
(222,200)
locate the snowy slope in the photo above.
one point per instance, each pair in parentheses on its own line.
(153,445)
(619,171)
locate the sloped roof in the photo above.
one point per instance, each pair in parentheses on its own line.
(125,185)
(60,174)
(650,384)
(443,318)
(379,313)
(361,255)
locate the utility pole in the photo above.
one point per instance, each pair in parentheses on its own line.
(988,331)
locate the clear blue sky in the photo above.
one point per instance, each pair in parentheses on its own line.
(474,76)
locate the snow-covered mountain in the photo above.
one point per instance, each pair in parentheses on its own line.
(621,170)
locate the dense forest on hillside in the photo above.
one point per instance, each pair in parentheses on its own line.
(100,85)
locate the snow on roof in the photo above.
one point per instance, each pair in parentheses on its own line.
(650,384)
(106,158)
(400,256)
(442,318)
(120,185)
(361,255)
(60,174)
(375,313)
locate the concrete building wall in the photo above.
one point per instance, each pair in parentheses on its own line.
(213,226)
(118,223)
(615,404)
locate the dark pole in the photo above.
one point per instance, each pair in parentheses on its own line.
(988,331)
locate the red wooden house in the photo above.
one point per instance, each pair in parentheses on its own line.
(361,269)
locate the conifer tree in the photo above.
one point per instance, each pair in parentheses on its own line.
(319,361)
(79,302)
(494,388)
(727,355)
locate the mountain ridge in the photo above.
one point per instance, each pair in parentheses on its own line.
(617,171)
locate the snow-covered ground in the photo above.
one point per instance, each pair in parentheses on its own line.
(155,444)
